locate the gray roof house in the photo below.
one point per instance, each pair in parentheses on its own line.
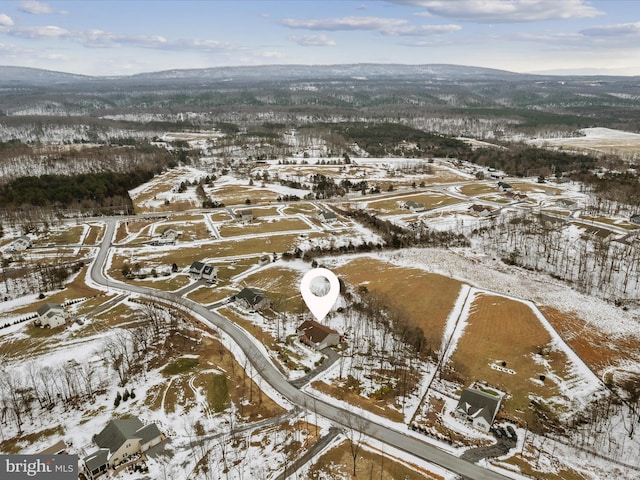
(122,438)
(96,463)
(252,299)
(51,315)
(478,407)
(196,269)
(21,243)
(415,207)
(635,219)
(327,217)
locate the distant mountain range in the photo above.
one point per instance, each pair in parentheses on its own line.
(29,77)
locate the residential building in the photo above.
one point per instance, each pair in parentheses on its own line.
(244,216)
(317,335)
(51,315)
(20,244)
(118,441)
(327,217)
(478,407)
(415,207)
(252,299)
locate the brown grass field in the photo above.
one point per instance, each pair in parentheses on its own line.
(69,235)
(596,349)
(501,329)
(192,230)
(207,295)
(237,195)
(264,212)
(300,207)
(477,189)
(338,463)
(427,298)
(95,234)
(429,200)
(525,466)
(270,226)
(283,286)
(167,284)
(221,216)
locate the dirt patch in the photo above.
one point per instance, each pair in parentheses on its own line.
(259,227)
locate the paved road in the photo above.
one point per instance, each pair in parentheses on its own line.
(275,378)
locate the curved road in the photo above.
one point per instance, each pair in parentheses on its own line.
(273,376)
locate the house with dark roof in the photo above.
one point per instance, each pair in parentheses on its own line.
(635,219)
(327,217)
(478,407)
(118,441)
(504,187)
(415,207)
(196,269)
(210,273)
(244,216)
(317,335)
(96,463)
(566,203)
(252,299)
(51,315)
(57,448)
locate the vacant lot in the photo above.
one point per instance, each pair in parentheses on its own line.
(337,463)
(283,286)
(500,329)
(267,226)
(596,349)
(477,189)
(429,200)
(427,298)
(238,195)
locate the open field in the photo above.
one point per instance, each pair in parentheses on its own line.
(300,207)
(283,285)
(411,290)
(94,237)
(597,350)
(232,195)
(337,463)
(167,284)
(263,211)
(477,189)
(429,200)
(611,221)
(190,230)
(207,295)
(68,235)
(500,329)
(525,466)
(270,226)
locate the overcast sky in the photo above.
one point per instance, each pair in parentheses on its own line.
(118,37)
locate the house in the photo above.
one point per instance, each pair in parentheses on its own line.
(210,273)
(478,407)
(481,210)
(635,219)
(118,441)
(196,269)
(244,216)
(20,244)
(327,217)
(252,299)
(317,335)
(566,203)
(51,315)
(415,207)
(504,187)
(96,463)
(264,261)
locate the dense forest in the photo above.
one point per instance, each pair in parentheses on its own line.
(105,189)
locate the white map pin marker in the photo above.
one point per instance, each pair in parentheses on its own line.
(319,306)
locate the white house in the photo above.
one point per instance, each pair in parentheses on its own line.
(118,441)
(51,315)
(20,244)
(478,407)
(327,217)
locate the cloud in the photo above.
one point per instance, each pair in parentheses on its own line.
(498,11)
(346,23)
(313,41)
(616,30)
(5,20)
(38,8)
(386,26)
(48,31)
